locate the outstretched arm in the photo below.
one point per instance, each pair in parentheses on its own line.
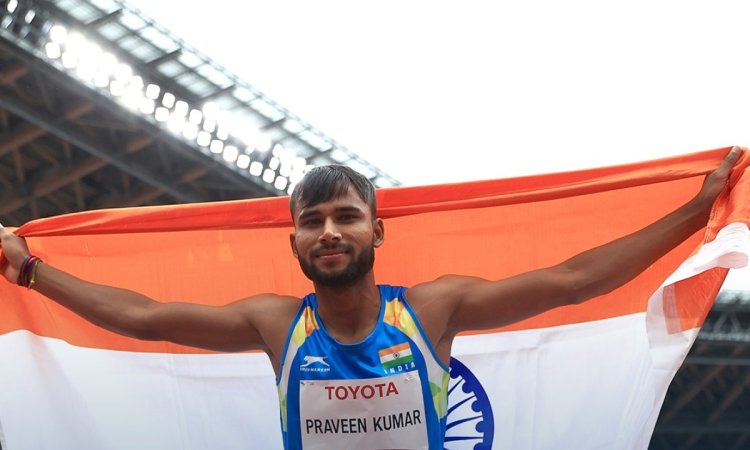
(234,327)
(474,303)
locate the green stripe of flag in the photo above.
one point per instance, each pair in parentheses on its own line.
(399,361)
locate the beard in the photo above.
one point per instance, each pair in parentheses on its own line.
(354,271)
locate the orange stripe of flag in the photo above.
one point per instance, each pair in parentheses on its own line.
(394,349)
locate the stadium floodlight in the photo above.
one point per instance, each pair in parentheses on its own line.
(107,65)
(58,34)
(273,164)
(195,117)
(123,73)
(285,169)
(243,161)
(268,176)
(280,182)
(256,168)
(116,88)
(181,108)
(176,123)
(168,100)
(133,96)
(203,139)
(161,114)
(12,5)
(52,50)
(88,56)
(216,146)
(222,132)
(152,91)
(208,126)
(147,106)
(190,132)
(101,79)
(30,14)
(69,59)
(230,153)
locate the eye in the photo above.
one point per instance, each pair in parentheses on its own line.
(311,222)
(347,217)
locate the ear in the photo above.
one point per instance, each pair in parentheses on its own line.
(378,232)
(292,241)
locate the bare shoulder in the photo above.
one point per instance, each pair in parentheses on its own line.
(444,289)
(435,302)
(271,315)
(262,308)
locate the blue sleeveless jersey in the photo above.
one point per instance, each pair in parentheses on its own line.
(389,391)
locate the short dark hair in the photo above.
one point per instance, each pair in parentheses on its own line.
(324,183)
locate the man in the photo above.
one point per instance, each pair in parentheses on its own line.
(352,353)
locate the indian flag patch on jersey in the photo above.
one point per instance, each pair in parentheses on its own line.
(395,356)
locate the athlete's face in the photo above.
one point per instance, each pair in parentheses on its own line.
(335,240)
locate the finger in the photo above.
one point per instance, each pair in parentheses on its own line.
(733,156)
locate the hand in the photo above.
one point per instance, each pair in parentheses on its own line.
(14,250)
(716,181)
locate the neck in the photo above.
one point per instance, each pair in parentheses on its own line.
(349,312)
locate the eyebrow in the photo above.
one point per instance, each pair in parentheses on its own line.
(313,212)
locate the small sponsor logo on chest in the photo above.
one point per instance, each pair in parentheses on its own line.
(315,364)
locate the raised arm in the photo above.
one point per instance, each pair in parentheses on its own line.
(235,327)
(474,303)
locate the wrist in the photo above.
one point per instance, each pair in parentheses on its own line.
(699,210)
(28,270)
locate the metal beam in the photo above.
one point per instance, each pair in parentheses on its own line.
(13,73)
(64,175)
(694,390)
(30,132)
(714,428)
(151,194)
(219,93)
(250,184)
(99,21)
(86,144)
(729,398)
(718,361)
(164,58)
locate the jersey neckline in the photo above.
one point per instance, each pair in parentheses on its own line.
(367,339)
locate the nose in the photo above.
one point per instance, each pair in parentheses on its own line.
(330,233)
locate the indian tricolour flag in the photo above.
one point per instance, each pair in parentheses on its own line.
(395,356)
(588,376)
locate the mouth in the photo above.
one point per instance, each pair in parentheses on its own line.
(331,253)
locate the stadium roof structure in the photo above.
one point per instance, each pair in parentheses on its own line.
(101,107)
(708,404)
